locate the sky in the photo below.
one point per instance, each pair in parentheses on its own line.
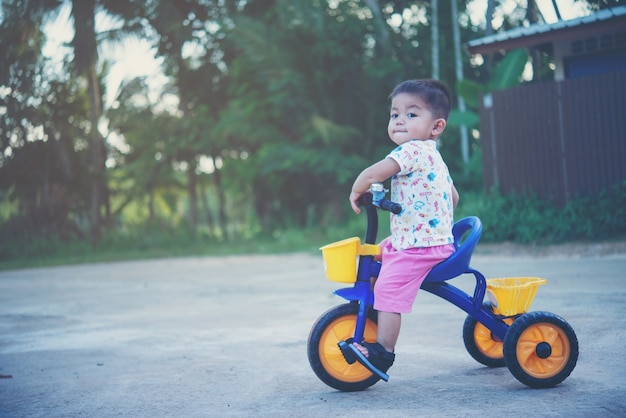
(569,9)
(132,58)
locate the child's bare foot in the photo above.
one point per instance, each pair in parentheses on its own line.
(376,354)
(362,349)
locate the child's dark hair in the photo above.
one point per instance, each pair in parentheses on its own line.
(433,92)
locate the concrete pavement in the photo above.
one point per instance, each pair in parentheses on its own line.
(204,337)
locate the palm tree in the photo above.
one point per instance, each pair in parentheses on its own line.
(85,46)
(456,35)
(434,36)
(85,59)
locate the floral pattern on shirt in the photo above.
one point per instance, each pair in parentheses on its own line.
(424,189)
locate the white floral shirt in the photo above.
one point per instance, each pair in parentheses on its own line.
(424,189)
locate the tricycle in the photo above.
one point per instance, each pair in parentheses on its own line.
(539,348)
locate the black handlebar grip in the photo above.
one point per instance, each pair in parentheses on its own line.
(392,207)
(365,199)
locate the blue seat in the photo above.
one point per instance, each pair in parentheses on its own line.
(466,233)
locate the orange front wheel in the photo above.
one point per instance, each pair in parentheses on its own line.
(540,349)
(325,358)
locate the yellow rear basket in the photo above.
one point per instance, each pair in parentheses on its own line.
(512,295)
(341,258)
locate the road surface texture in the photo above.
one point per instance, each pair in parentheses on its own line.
(226,337)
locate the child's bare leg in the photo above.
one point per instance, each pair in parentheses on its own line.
(388,331)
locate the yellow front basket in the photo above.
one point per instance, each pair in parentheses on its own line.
(341,258)
(512,295)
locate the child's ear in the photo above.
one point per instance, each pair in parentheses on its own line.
(439,126)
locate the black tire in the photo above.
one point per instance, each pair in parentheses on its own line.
(540,349)
(325,358)
(481,344)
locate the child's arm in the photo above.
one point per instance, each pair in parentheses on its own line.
(455,197)
(376,173)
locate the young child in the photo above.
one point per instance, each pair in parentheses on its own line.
(421,235)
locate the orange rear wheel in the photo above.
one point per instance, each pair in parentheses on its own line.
(540,349)
(481,344)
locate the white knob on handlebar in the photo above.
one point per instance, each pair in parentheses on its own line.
(377,188)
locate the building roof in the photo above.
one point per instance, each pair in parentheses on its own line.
(604,21)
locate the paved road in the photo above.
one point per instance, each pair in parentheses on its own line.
(196,337)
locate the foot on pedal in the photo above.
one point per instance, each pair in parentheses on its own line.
(378,361)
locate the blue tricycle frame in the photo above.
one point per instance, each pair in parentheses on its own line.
(490,338)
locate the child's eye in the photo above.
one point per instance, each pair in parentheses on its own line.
(411,115)
(394,116)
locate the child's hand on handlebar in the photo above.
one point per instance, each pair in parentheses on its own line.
(354,201)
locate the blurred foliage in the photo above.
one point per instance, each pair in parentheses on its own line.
(527,219)
(507,73)
(522,219)
(269,111)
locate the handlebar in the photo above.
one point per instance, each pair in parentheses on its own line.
(392,207)
(378,192)
(373,200)
(384,204)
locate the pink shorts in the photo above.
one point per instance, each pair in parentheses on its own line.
(402,274)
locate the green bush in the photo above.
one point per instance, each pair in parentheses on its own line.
(527,219)
(516,218)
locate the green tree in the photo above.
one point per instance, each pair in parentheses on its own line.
(199,80)
(21,41)
(306,79)
(143,169)
(40,163)
(22,29)
(287,100)
(85,46)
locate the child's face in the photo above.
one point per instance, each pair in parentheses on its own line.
(410,119)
